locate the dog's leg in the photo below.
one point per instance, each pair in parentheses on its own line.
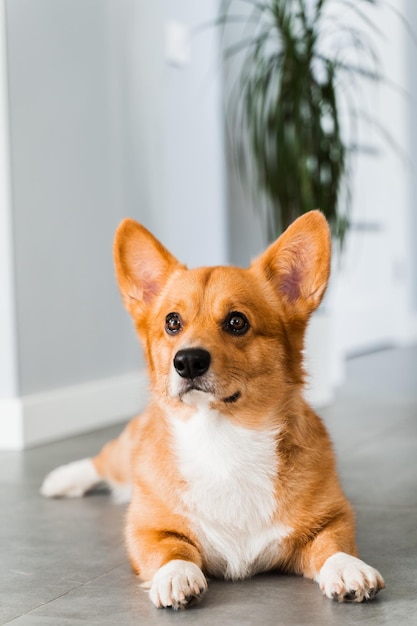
(111,465)
(71,480)
(169,563)
(330,560)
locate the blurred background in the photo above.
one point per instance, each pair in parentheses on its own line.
(114,108)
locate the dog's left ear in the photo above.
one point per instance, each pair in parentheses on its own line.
(298,265)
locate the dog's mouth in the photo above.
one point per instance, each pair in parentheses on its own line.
(207,389)
(195,386)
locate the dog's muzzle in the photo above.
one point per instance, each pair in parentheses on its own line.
(191,364)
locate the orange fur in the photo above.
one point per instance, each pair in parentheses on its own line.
(277,294)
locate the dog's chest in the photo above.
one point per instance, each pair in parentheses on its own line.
(229,498)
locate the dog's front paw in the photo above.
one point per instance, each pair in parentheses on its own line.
(176,584)
(347,579)
(70,481)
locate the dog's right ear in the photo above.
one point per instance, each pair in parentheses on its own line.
(142,265)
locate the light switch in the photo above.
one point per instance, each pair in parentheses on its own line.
(177,43)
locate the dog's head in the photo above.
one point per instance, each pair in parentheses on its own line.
(223,336)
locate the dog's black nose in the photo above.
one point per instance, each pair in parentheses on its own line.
(192,362)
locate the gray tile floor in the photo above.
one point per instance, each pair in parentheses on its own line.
(63,562)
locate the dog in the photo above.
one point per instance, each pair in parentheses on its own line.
(232,472)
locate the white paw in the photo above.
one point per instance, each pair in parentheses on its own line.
(347,579)
(176,584)
(70,481)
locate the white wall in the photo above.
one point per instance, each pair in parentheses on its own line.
(373,295)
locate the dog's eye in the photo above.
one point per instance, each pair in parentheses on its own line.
(236,323)
(173,323)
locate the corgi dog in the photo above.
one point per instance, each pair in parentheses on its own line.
(232,472)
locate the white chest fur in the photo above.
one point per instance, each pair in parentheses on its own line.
(230,501)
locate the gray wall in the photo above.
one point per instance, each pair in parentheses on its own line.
(68,188)
(101,127)
(8,369)
(195,213)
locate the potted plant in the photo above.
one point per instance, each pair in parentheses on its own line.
(294,111)
(294,104)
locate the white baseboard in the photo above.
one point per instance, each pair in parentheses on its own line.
(11,424)
(47,416)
